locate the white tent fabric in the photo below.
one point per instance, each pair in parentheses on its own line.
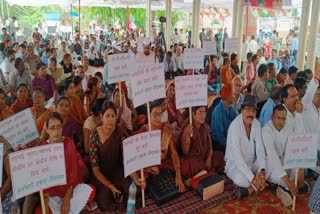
(181,5)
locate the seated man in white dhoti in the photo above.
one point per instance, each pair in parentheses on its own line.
(245,154)
(275,138)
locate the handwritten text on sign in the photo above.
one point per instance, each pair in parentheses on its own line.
(209,47)
(191,91)
(301,151)
(231,44)
(193,58)
(37,168)
(147,84)
(141,151)
(19,129)
(119,67)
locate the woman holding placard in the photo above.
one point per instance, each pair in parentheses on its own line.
(106,157)
(23,100)
(195,143)
(73,196)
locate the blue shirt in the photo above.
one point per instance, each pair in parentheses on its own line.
(220,122)
(266,112)
(276,63)
(287,62)
(295,43)
(45,59)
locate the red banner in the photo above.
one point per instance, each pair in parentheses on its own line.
(270,4)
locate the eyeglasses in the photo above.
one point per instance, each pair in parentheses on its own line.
(156,114)
(53,128)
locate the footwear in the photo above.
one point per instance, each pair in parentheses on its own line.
(242,193)
(306,188)
(284,196)
(271,186)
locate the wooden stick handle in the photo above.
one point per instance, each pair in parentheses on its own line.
(142,190)
(120,93)
(43,206)
(296,183)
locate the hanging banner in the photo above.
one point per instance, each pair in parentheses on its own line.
(270,4)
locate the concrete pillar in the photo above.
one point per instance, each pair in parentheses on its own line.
(306,5)
(196,23)
(312,42)
(234,18)
(168,23)
(148,18)
(240,30)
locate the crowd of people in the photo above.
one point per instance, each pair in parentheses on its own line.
(243,133)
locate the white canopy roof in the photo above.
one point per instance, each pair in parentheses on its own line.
(184,5)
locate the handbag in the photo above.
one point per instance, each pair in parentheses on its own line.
(162,187)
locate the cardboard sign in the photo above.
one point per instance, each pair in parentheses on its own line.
(1,162)
(301,151)
(36,169)
(27,32)
(209,47)
(141,151)
(120,67)
(193,58)
(231,44)
(191,90)
(19,129)
(147,84)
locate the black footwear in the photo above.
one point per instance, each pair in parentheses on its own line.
(271,186)
(242,193)
(306,188)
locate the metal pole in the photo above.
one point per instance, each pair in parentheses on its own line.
(234,18)
(71,20)
(79,19)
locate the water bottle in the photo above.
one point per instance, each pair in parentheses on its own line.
(132,198)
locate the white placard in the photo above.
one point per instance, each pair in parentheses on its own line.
(37,169)
(141,151)
(191,90)
(19,129)
(120,67)
(147,84)
(209,47)
(301,151)
(27,32)
(193,58)
(231,44)
(140,44)
(1,162)
(20,39)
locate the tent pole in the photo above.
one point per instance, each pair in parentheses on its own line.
(8,12)
(79,19)
(71,20)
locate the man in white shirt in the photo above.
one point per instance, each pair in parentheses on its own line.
(294,107)
(7,65)
(88,70)
(147,57)
(245,154)
(175,37)
(84,77)
(311,105)
(275,138)
(253,45)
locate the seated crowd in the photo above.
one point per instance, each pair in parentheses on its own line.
(242,134)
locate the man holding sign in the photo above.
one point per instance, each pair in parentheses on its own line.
(275,139)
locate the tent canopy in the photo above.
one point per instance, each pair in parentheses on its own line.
(181,5)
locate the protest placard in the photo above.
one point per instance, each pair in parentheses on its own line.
(19,129)
(301,151)
(191,90)
(1,162)
(52,29)
(209,47)
(119,67)
(141,151)
(193,58)
(37,168)
(20,39)
(231,44)
(140,42)
(147,84)
(27,32)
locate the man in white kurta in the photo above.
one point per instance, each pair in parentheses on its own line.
(275,139)
(245,154)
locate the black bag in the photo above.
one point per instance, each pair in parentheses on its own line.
(162,187)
